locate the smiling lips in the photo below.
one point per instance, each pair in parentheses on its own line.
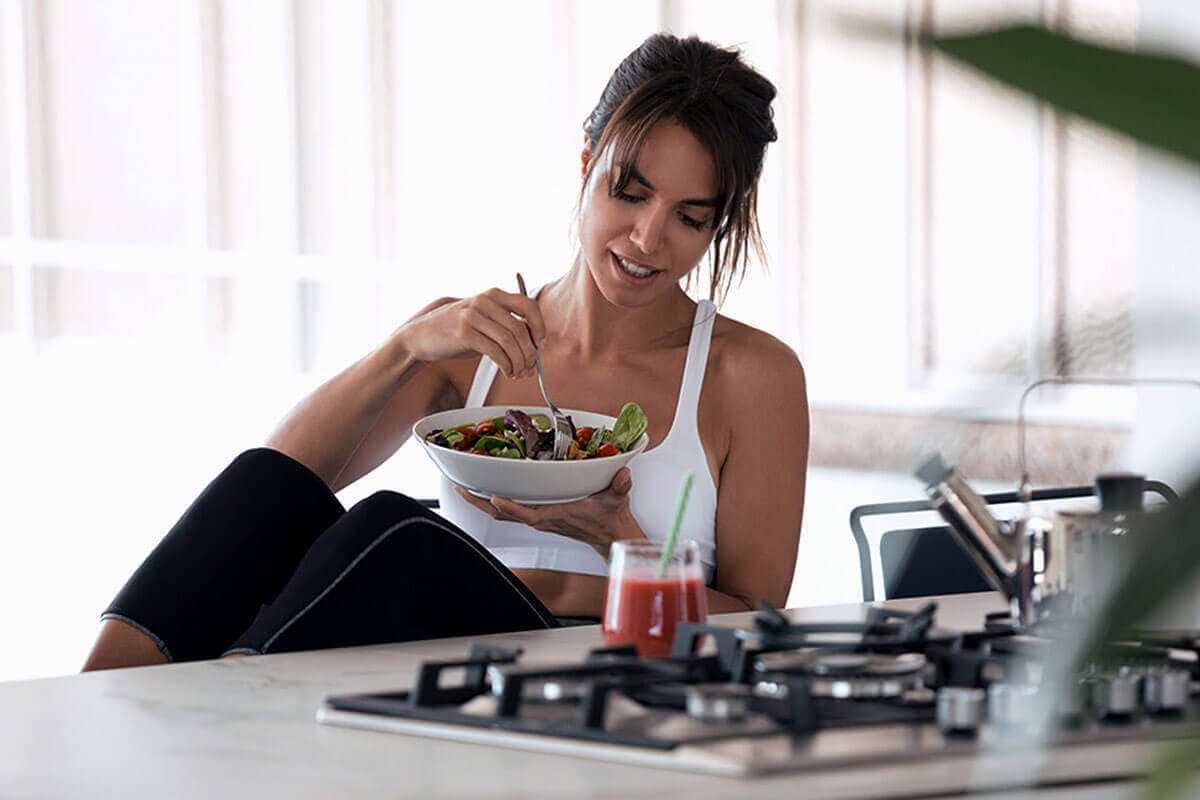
(634,269)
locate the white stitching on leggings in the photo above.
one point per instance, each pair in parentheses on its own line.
(266,645)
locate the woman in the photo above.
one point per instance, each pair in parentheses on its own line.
(266,559)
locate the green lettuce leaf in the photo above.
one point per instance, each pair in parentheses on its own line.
(597,439)
(490,443)
(629,427)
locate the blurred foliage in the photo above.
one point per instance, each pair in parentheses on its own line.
(1155,100)
(1152,98)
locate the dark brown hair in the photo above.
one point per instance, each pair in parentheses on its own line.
(721,101)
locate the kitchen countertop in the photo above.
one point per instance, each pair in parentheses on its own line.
(245,727)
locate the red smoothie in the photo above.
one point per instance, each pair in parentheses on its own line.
(645,609)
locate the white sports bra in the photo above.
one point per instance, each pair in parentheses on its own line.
(657,474)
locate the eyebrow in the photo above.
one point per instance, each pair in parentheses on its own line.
(706,202)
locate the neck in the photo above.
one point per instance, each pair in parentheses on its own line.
(577,312)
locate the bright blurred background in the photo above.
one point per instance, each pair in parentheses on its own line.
(209,207)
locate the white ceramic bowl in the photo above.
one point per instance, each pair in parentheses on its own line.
(524,480)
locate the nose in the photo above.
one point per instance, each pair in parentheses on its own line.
(649,227)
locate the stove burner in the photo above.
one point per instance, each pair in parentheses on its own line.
(829,663)
(847,675)
(718,702)
(545,690)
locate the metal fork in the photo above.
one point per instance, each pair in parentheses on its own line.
(562,424)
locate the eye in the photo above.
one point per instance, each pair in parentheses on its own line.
(628,198)
(692,223)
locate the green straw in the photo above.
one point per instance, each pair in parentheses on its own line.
(669,544)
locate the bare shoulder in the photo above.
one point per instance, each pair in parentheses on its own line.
(754,368)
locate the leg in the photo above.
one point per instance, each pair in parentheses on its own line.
(119,644)
(391,570)
(228,556)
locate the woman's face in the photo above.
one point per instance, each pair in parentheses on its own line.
(640,243)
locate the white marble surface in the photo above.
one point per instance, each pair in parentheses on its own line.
(245,727)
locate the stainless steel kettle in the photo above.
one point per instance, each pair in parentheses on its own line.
(1086,547)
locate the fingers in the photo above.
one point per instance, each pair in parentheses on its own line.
(498,324)
(514,361)
(524,307)
(622,482)
(481,343)
(509,511)
(479,502)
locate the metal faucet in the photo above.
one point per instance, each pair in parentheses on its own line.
(1025,486)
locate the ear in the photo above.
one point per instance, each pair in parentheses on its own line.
(586,156)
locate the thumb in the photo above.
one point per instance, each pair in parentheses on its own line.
(622,482)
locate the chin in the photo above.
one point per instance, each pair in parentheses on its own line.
(624,292)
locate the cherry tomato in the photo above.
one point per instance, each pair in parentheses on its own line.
(479,452)
(485,429)
(607,450)
(584,435)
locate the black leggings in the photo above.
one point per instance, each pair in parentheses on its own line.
(266,560)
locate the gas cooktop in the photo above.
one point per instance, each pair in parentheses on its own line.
(785,697)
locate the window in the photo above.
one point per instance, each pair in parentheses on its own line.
(212,206)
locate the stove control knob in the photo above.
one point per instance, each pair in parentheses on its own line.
(1011,705)
(1166,690)
(959,708)
(1116,694)
(1070,700)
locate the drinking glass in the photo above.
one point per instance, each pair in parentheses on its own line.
(641,607)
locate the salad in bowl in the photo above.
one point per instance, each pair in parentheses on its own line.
(506,451)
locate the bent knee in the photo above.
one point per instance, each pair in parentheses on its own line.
(120,644)
(390,503)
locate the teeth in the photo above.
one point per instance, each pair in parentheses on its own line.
(634,269)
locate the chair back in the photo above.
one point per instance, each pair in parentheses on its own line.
(916,559)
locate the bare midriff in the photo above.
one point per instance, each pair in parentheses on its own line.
(566,594)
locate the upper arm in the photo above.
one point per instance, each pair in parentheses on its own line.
(760,501)
(428,391)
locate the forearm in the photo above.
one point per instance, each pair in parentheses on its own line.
(721,603)
(326,428)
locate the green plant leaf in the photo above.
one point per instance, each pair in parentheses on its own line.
(1173,773)
(1152,98)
